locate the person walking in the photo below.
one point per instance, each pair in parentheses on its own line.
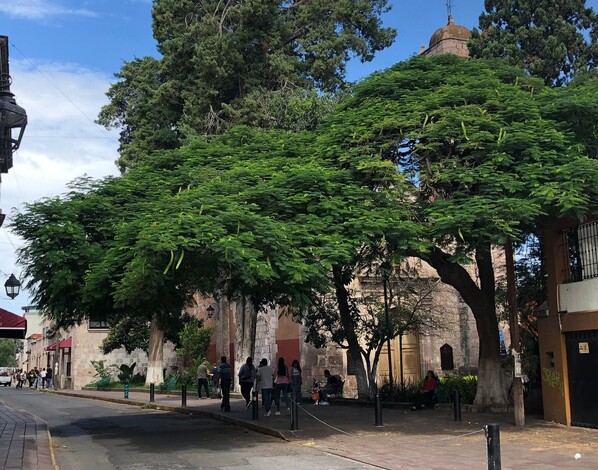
(35,377)
(202,379)
(282,385)
(216,383)
(296,381)
(246,379)
(42,376)
(17,377)
(264,382)
(49,377)
(225,383)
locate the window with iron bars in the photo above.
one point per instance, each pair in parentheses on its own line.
(581,251)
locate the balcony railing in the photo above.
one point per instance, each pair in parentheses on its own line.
(581,252)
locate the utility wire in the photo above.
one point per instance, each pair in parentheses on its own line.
(95,125)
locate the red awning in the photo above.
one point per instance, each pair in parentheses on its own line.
(65,343)
(11,325)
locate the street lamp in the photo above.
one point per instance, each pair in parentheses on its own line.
(13,118)
(12,286)
(210,312)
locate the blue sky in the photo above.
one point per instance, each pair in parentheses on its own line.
(63,54)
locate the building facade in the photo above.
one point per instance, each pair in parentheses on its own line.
(568,324)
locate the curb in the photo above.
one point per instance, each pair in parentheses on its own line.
(182,410)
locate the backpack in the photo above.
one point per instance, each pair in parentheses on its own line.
(245,374)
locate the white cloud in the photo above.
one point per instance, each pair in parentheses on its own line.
(61,143)
(40,9)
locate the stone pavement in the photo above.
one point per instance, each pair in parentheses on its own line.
(24,441)
(424,439)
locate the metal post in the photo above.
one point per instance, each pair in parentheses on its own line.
(378,408)
(493,446)
(294,415)
(152,392)
(518,403)
(388,333)
(457,406)
(184,395)
(126,390)
(254,405)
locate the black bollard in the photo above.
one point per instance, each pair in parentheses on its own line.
(126,390)
(294,415)
(378,408)
(493,446)
(254,405)
(184,395)
(457,406)
(151,393)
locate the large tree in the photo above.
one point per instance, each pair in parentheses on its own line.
(252,62)
(75,255)
(489,151)
(281,215)
(551,39)
(265,216)
(8,349)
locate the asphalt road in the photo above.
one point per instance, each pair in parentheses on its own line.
(107,436)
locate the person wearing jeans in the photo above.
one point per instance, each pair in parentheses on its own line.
(264,382)
(246,379)
(282,385)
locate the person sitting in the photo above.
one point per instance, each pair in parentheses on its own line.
(425,395)
(334,385)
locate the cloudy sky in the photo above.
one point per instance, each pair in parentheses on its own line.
(63,54)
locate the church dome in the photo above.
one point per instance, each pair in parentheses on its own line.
(450,31)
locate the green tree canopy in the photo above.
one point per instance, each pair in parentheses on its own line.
(552,40)
(250,62)
(249,214)
(8,348)
(489,152)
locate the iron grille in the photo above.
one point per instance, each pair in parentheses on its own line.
(581,245)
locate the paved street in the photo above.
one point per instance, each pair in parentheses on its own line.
(201,436)
(103,436)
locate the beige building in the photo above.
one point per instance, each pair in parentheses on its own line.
(77,347)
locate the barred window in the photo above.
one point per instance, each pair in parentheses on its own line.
(581,247)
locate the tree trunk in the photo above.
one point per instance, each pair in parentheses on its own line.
(245,329)
(155,354)
(342,297)
(491,390)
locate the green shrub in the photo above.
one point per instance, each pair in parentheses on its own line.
(125,372)
(466,385)
(138,379)
(170,383)
(398,393)
(102,374)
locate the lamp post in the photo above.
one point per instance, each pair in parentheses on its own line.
(385,271)
(13,118)
(12,286)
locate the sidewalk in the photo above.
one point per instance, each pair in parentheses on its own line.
(423,439)
(24,441)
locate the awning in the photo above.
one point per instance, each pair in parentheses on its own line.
(65,343)
(11,325)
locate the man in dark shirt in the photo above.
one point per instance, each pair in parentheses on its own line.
(49,377)
(225,383)
(333,385)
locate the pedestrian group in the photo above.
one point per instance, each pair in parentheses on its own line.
(41,379)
